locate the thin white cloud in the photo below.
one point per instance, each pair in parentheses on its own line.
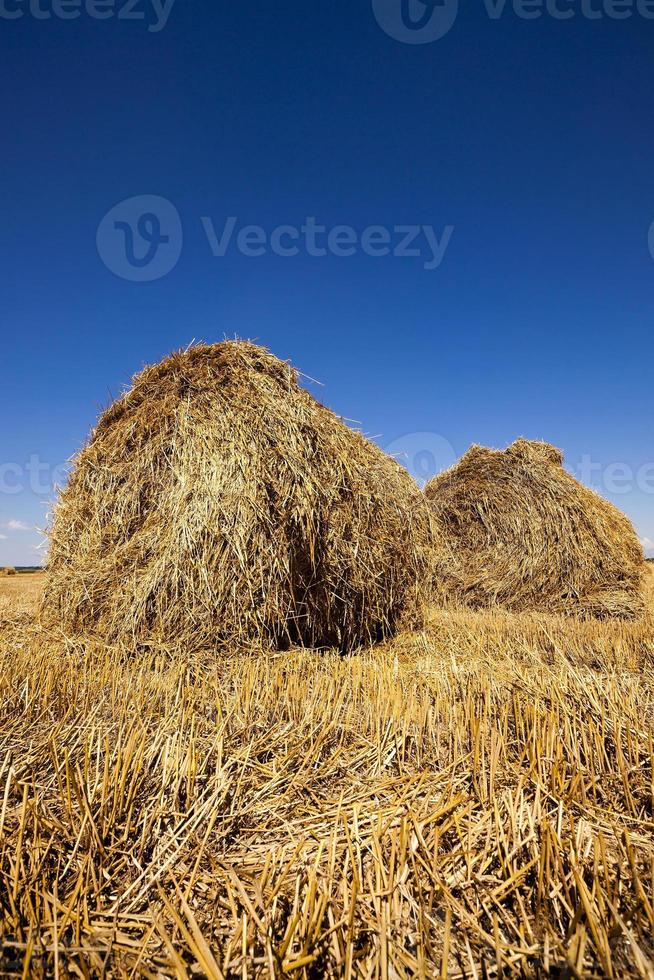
(17,526)
(647,544)
(3,537)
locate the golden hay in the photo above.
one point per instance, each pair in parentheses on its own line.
(471,802)
(520,532)
(9,570)
(218,501)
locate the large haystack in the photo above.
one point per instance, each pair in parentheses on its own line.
(218,501)
(521,532)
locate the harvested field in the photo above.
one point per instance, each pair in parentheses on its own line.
(474,799)
(20,594)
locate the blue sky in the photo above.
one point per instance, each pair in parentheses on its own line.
(511,158)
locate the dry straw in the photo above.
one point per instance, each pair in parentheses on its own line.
(217,500)
(521,532)
(9,570)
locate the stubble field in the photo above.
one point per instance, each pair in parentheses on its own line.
(472,800)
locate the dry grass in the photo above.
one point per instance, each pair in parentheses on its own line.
(519,532)
(218,502)
(20,594)
(472,800)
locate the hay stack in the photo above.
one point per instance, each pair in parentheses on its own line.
(9,570)
(521,532)
(218,501)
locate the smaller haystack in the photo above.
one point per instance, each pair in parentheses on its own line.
(520,532)
(9,570)
(218,502)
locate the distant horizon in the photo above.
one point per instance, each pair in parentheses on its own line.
(423,454)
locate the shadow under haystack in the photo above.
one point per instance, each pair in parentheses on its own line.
(218,501)
(517,530)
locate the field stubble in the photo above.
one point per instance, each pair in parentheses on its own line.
(474,799)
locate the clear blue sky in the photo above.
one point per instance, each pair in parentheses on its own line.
(534,139)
